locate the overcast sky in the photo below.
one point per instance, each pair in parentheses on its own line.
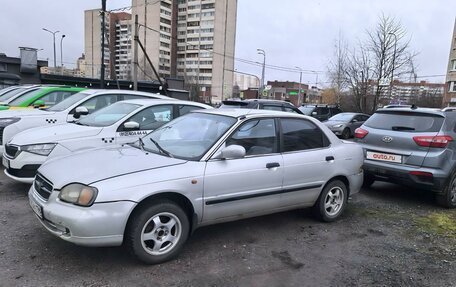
(292,32)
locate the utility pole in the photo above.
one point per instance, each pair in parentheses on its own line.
(262,52)
(61,54)
(103,32)
(135,55)
(300,80)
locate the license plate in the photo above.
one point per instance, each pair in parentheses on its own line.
(384,157)
(36,208)
(6,162)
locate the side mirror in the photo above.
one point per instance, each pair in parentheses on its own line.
(80,111)
(354,121)
(314,113)
(38,104)
(232,152)
(130,126)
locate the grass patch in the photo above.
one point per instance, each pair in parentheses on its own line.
(440,223)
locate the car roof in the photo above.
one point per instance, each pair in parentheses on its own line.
(126,92)
(152,102)
(256,100)
(412,109)
(237,113)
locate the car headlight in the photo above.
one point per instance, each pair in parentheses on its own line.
(78,194)
(8,121)
(40,149)
(337,126)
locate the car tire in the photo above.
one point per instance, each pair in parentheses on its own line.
(346,134)
(157,232)
(331,202)
(448,197)
(368,180)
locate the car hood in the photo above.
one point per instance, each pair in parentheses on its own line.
(54,134)
(331,123)
(94,165)
(24,113)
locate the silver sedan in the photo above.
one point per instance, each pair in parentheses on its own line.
(345,124)
(203,168)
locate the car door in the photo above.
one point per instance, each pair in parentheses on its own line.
(249,185)
(148,119)
(308,161)
(356,122)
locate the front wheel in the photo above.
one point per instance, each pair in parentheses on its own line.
(448,197)
(346,134)
(157,232)
(331,202)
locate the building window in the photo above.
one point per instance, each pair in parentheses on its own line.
(453,65)
(452,87)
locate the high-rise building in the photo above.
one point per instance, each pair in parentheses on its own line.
(189,39)
(450,87)
(92,43)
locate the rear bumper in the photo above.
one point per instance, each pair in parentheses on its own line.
(400,174)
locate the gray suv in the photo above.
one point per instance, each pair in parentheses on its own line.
(411,146)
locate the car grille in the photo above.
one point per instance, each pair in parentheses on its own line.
(43,186)
(1,135)
(11,151)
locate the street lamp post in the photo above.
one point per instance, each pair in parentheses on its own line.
(61,54)
(53,36)
(300,81)
(262,52)
(394,60)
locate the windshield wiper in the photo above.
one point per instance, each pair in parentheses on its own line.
(162,150)
(399,128)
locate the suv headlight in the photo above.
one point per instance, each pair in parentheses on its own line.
(78,194)
(40,149)
(8,121)
(337,126)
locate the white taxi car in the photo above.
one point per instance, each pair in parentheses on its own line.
(68,110)
(206,167)
(120,123)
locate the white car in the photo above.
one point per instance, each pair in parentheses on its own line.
(206,167)
(68,110)
(119,123)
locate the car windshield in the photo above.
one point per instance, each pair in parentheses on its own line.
(9,94)
(188,137)
(306,110)
(109,115)
(69,102)
(26,96)
(342,117)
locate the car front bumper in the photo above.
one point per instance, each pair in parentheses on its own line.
(102,224)
(337,131)
(400,174)
(23,167)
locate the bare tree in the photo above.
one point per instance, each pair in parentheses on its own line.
(337,68)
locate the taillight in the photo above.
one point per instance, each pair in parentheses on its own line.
(360,133)
(433,141)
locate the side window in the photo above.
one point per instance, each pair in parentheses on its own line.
(153,117)
(185,109)
(335,111)
(55,97)
(302,135)
(256,136)
(98,102)
(322,111)
(364,118)
(358,118)
(133,97)
(272,108)
(290,110)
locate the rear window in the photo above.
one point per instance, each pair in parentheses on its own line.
(409,122)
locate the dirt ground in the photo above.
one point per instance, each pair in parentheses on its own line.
(388,236)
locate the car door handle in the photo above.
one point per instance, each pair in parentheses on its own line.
(272,165)
(329,158)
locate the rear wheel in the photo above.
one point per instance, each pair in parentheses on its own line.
(448,197)
(331,202)
(346,133)
(157,232)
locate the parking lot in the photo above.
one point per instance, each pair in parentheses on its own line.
(388,236)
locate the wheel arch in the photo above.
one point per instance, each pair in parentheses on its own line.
(342,178)
(179,199)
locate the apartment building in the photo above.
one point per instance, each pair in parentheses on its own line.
(245,81)
(450,82)
(189,39)
(92,43)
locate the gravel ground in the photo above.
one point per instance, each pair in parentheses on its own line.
(388,236)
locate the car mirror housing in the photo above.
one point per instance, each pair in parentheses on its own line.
(131,126)
(80,111)
(232,152)
(314,113)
